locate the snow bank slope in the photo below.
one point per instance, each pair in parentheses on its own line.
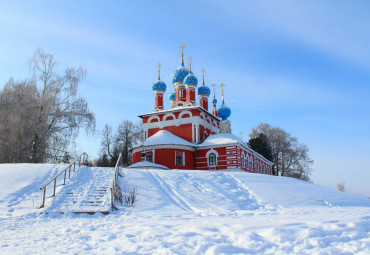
(290,192)
(20,187)
(225,192)
(198,212)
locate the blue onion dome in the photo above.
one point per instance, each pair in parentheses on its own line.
(224,111)
(159,85)
(190,79)
(173,96)
(204,91)
(179,74)
(214,101)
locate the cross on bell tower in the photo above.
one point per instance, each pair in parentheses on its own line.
(203,71)
(159,71)
(222,89)
(182,53)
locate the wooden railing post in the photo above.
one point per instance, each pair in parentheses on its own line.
(69,169)
(55,186)
(43,198)
(111,192)
(65,176)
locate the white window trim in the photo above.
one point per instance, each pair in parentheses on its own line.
(207,155)
(183,158)
(243,159)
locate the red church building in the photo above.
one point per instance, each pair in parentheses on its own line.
(188,136)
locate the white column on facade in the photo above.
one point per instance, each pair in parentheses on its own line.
(192,133)
(197,133)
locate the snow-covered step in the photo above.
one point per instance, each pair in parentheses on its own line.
(87,192)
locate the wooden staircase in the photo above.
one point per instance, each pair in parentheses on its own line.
(89,191)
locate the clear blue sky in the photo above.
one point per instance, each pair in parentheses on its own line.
(299,65)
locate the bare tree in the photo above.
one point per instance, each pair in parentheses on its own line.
(290,157)
(52,114)
(108,157)
(340,186)
(128,135)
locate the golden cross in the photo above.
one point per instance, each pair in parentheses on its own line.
(159,70)
(182,53)
(189,64)
(222,88)
(203,74)
(214,88)
(182,46)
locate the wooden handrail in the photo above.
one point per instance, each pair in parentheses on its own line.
(84,158)
(115,180)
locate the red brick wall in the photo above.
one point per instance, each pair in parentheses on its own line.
(167,157)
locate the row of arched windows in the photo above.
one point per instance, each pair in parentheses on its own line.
(247,162)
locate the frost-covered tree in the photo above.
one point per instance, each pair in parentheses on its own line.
(290,157)
(44,112)
(18,103)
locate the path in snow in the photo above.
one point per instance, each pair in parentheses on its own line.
(87,191)
(203,193)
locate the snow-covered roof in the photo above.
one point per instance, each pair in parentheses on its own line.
(166,137)
(225,139)
(147,164)
(221,139)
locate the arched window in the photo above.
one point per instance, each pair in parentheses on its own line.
(212,159)
(251,163)
(243,162)
(260,167)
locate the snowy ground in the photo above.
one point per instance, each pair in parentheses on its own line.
(186,212)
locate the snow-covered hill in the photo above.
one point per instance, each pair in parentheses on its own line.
(186,212)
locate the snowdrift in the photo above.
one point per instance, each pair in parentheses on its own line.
(184,212)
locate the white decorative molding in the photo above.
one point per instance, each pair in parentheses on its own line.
(180,121)
(179,104)
(185,112)
(154,118)
(169,115)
